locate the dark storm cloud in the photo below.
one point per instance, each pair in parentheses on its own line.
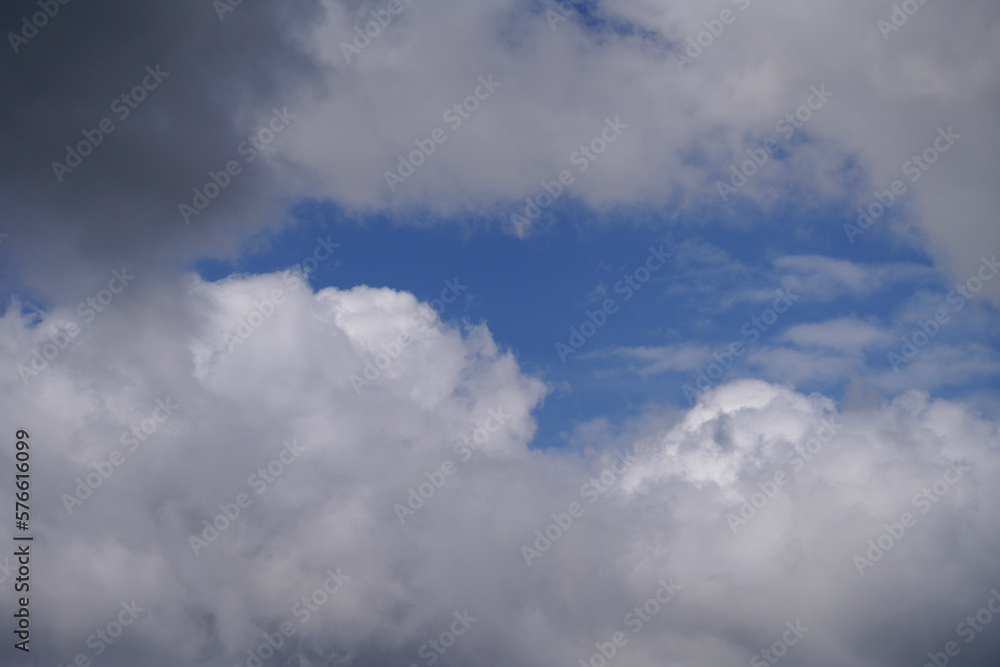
(206,82)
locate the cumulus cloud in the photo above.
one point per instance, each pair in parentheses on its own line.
(245,469)
(253,378)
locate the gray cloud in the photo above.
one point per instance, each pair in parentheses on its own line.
(220,79)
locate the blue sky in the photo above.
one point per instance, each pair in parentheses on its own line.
(530,291)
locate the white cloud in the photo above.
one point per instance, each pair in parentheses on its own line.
(825,278)
(666,358)
(333,506)
(846,333)
(795,366)
(685,128)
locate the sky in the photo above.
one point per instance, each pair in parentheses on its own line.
(583,333)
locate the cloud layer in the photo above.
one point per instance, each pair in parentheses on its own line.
(245,388)
(249,471)
(690,123)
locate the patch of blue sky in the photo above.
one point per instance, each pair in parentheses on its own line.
(532,291)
